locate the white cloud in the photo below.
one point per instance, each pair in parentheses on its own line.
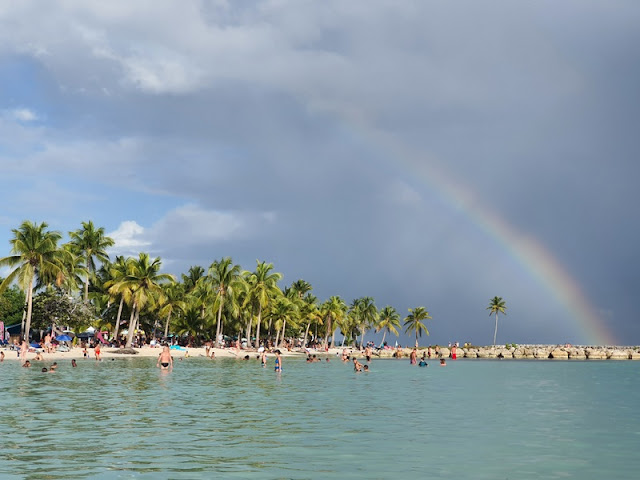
(129,238)
(187,226)
(24,115)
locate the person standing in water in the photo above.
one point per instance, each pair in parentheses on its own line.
(165,361)
(413,358)
(24,348)
(278,367)
(263,358)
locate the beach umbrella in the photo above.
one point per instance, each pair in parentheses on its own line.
(63,338)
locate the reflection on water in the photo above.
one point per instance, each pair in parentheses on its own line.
(234,419)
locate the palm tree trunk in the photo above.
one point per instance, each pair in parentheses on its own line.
(306,333)
(495,332)
(258,327)
(362,339)
(218,325)
(166,325)
(115,330)
(132,325)
(384,334)
(326,338)
(248,333)
(277,338)
(86,283)
(284,324)
(27,325)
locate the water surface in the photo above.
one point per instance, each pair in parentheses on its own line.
(227,418)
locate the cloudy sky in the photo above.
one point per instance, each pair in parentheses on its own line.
(424,153)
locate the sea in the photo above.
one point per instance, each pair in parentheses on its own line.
(228,418)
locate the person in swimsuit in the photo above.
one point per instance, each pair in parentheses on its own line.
(24,348)
(263,358)
(413,357)
(357,366)
(96,352)
(165,361)
(454,353)
(278,367)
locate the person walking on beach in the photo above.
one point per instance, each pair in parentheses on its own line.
(164,359)
(278,367)
(96,352)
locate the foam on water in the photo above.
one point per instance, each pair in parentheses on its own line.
(233,419)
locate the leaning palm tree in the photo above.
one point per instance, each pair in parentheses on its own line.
(35,253)
(496,306)
(389,321)
(224,278)
(91,243)
(413,322)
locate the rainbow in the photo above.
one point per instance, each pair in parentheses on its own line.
(533,258)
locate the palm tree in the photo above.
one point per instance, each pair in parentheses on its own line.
(389,321)
(413,321)
(282,310)
(496,305)
(92,244)
(225,278)
(117,272)
(141,286)
(333,311)
(35,253)
(196,272)
(263,287)
(367,314)
(173,300)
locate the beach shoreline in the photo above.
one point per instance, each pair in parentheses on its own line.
(554,352)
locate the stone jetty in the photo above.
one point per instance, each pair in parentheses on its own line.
(540,352)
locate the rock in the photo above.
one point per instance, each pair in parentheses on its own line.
(125,351)
(559,354)
(473,353)
(577,354)
(634,355)
(618,355)
(505,353)
(596,354)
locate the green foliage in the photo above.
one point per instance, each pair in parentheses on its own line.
(54,306)
(12,302)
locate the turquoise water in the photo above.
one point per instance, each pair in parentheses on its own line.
(233,419)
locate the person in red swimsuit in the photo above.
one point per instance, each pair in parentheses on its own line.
(453,352)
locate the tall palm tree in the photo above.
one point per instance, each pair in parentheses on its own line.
(496,305)
(413,321)
(366,315)
(282,311)
(309,312)
(141,286)
(117,272)
(333,311)
(91,243)
(263,287)
(389,321)
(224,278)
(173,300)
(34,253)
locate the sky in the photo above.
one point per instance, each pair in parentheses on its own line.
(424,153)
